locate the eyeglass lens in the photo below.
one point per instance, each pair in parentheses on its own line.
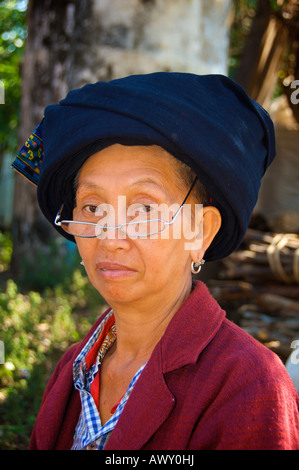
(133,229)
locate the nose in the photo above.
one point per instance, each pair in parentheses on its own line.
(108,230)
(103,231)
(112,238)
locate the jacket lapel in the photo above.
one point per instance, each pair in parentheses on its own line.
(192,328)
(148,407)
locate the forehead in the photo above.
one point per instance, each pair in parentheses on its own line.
(119,164)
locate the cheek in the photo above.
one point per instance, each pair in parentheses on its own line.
(162,258)
(86,249)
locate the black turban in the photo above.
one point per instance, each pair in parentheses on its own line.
(208,122)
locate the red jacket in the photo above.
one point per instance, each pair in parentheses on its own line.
(208,385)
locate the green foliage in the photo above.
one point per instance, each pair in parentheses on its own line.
(13,33)
(36,328)
(48,265)
(5,251)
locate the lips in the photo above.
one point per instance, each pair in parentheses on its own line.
(109,266)
(111,270)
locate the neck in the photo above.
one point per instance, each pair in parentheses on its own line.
(141,325)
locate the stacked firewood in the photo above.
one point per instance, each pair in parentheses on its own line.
(258,286)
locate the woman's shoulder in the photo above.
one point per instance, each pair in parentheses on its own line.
(244,390)
(245,347)
(245,361)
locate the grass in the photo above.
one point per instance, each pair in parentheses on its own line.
(36,327)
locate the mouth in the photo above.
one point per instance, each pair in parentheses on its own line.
(110,270)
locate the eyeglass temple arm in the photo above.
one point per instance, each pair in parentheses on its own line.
(192,186)
(56,221)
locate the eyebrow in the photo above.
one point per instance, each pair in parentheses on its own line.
(140,182)
(87,185)
(147,180)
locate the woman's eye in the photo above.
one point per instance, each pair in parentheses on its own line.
(144,209)
(90,209)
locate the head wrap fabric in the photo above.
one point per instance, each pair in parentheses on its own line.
(29,159)
(207,121)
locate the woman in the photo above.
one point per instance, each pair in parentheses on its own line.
(125,167)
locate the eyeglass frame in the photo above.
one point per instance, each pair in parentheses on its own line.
(59,223)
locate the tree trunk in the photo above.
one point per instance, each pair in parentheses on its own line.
(272,44)
(252,46)
(71,43)
(262,54)
(48,55)
(291,15)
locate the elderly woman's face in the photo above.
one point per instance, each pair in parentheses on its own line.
(122,268)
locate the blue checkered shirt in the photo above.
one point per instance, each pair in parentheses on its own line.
(89,433)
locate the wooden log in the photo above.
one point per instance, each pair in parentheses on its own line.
(227,287)
(272,301)
(268,237)
(247,271)
(259,257)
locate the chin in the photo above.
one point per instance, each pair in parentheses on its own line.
(118,292)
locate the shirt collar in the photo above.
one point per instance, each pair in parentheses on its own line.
(91,355)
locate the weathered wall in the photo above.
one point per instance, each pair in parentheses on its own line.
(141,36)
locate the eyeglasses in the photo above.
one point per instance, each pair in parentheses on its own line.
(141,226)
